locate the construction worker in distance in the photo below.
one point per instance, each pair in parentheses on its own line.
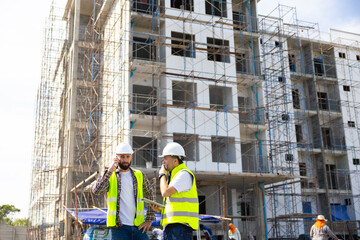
(207,232)
(180,216)
(320,231)
(234,233)
(125,186)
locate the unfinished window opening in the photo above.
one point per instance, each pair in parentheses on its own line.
(241,63)
(285,117)
(331,176)
(358,57)
(216,8)
(190,143)
(281,79)
(319,66)
(202,204)
(218,50)
(351,124)
(244,116)
(183,44)
(289,157)
(223,149)
(144,6)
(184,93)
(347,201)
(243,103)
(143,48)
(239,20)
(145,151)
(144,100)
(342,55)
(326,135)
(323,100)
(356,161)
(183,4)
(302,171)
(277,44)
(346,88)
(245,209)
(296,98)
(292,63)
(299,135)
(220,97)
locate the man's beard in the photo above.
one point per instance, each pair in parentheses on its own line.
(124,167)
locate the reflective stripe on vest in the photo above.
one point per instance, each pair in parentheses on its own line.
(182,207)
(112,199)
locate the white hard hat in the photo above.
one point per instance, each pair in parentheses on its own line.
(321,217)
(173,149)
(124,148)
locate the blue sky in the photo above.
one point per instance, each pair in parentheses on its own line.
(21,40)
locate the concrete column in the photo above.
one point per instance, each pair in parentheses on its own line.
(260,230)
(234,207)
(73,56)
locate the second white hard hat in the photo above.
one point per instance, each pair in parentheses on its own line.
(173,149)
(321,217)
(124,148)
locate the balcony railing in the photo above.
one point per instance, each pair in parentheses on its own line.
(251,116)
(144,104)
(144,155)
(146,6)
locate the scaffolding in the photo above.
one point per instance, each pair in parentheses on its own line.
(254,100)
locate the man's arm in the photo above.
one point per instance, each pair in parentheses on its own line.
(102,184)
(149,193)
(330,233)
(238,233)
(312,232)
(165,190)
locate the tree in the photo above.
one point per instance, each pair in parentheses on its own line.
(7,209)
(5,215)
(19,222)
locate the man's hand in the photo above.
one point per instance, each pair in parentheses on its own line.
(155,207)
(145,226)
(163,170)
(115,164)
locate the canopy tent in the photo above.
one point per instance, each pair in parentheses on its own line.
(98,217)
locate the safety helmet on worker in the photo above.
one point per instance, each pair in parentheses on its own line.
(173,149)
(124,148)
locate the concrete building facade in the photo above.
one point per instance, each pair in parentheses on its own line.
(266,111)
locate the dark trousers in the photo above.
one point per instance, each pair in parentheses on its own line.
(177,231)
(127,233)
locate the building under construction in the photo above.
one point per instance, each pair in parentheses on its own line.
(267,112)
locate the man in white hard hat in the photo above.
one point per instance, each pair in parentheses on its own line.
(180,216)
(125,186)
(320,231)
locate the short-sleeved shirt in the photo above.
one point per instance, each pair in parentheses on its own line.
(182,182)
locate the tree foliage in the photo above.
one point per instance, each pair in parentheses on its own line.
(19,222)
(6,211)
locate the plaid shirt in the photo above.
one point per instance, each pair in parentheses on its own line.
(102,186)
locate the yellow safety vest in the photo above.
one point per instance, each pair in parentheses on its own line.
(112,199)
(182,207)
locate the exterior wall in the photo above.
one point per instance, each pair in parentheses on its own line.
(12,233)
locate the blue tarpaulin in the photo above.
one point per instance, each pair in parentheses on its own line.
(307,209)
(98,217)
(94,217)
(339,213)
